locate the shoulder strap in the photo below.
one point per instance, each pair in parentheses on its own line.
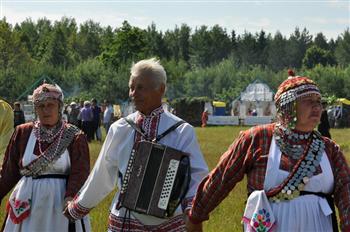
(135,126)
(159,137)
(170,129)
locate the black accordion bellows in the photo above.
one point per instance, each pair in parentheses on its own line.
(156,179)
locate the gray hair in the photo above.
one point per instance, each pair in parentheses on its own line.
(150,67)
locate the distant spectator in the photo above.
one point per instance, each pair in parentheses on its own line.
(18,114)
(324,126)
(6,126)
(96,122)
(205,116)
(86,117)
(254,113)
(73,113)
(337,116)
(108,115)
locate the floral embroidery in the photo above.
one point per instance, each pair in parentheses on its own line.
(261,221)
(18,210)
(20,206)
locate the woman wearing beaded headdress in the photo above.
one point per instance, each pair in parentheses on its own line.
(46,161)
(292,171)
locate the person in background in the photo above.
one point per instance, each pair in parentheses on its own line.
(324,127)
(108,115)
(96,122)
(18,114)
(337,116)
(73,114)
(292,171)
(146,87)
(86,117)
(6,126)
(205,116)
(46,163)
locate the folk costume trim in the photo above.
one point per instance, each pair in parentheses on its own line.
(76,210)
(175,224)
(62,140)
(307,148)
(148,124)
(19,203)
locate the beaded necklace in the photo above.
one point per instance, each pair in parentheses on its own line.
(48,135)
(290,142)
(305,168)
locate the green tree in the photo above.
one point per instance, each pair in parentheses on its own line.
(89,40)
(247,49)
(298,43)
(277,58)
(315,55)
(321,41)
(128,44)
(154,42)
(44,29)
(28,35)
(342,51)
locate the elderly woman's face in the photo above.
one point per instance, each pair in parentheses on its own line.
(309,110)
(47,112)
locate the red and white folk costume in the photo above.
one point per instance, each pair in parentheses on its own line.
(44,166)
(113,159)
(281,164)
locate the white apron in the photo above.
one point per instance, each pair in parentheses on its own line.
(47,197)
(309,213)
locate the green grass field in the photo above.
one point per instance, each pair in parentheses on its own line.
(213,141)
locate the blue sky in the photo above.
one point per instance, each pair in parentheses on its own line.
(331,17)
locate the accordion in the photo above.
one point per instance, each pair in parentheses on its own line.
(156,179)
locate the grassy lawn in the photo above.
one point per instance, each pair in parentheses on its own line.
(213,141)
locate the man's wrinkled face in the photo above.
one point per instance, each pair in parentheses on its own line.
(145,94)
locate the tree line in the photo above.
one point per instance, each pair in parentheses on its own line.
(89,60)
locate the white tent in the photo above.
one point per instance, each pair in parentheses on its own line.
(255,104)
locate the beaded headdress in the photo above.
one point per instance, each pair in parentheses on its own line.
(46,91)
(288,92)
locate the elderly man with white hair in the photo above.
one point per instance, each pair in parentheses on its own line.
(147,86)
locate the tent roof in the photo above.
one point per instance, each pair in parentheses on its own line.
(38,82)
(344,101)
(257,91)
(219,104)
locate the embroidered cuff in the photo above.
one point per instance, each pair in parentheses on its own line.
(77,211)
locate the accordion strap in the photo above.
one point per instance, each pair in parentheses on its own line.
(159,137)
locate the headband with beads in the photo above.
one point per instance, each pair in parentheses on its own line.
(288,92)
(46,91)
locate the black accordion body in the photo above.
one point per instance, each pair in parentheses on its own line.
(156,179)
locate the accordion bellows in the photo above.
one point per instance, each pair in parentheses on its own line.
(156,179)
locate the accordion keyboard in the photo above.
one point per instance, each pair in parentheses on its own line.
(168,184)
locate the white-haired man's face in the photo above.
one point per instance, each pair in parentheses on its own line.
(144,94)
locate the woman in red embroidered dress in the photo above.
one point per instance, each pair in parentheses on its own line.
(46,162)
(292,171)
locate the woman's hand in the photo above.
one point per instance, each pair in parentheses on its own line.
(191,227)
(67,201)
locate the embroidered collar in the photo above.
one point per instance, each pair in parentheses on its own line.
(155,112)
(149,124)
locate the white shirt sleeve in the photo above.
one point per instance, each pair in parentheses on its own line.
(103,178)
